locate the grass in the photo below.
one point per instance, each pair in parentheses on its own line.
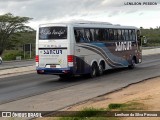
(129,106)
(95,113)
(89,114)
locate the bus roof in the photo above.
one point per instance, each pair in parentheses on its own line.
(80,23)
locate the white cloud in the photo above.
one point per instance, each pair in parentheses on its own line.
(102,10)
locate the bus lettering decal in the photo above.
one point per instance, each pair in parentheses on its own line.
(123,46)
(46,31)
(59,33)
(52,51)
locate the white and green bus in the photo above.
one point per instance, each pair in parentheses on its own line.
(86,47)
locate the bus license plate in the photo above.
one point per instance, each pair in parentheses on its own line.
(52,52)
(52,66)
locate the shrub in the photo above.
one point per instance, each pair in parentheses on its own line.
(11,54)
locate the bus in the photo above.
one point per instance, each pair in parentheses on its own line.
(86,48)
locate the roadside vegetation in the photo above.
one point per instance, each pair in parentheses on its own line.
(13,35)
(16,46)
(129,106)
(152,36)
(99,113)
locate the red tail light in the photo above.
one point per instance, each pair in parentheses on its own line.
(70,58)
(37,58)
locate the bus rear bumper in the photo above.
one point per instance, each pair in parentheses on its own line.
(55,71)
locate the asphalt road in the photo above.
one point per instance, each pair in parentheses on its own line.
(76,90)
(14,64)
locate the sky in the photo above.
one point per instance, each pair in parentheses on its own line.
(140,14)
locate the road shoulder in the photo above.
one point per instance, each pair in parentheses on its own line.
(146,92)
(16,71)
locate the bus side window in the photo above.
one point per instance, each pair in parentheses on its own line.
(133,35)
(129,35)
(79,35)
(126,35)
(123,35)
(101,34)
(115,34)
(92,35)
(76,35)
(111,34)
(87,37)
(96,37)
(119,35)
(106,34)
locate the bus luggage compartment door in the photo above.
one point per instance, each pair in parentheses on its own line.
(80,65)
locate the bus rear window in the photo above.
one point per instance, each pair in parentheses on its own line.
(48,33)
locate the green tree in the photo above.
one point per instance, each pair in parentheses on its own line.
(21,38)
(9,25)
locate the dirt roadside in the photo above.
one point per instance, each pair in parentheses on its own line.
(146,92)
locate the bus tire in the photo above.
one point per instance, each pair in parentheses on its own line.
(133,63)
(100,69)
(94,69)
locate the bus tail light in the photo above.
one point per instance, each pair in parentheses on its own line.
(70,58)
(37,58)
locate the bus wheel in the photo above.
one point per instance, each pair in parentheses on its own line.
(100,70)
(132,65)
(93,70)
